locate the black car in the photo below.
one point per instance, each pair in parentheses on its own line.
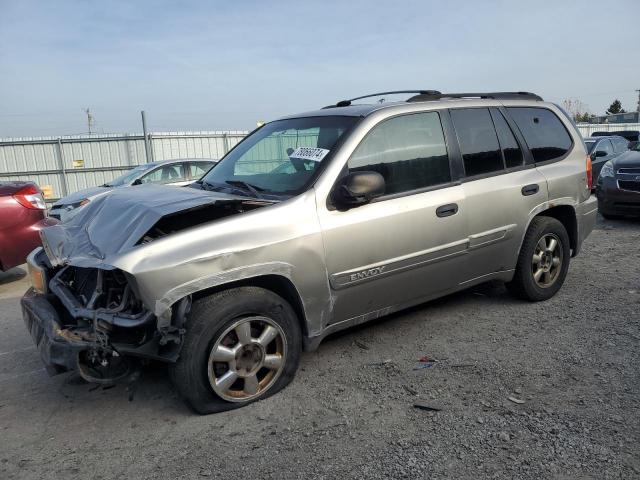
(633,136)
(602,149)
(618,186)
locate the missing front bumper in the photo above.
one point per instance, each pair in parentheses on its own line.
(58,347)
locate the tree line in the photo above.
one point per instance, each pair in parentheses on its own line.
(580,112)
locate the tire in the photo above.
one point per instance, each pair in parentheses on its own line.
(525,285)
(213,341)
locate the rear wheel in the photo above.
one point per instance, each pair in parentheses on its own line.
(241,345)
(543,262)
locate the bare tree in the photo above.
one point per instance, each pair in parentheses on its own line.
(578,110)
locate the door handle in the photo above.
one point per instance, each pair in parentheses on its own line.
(447,210)
(530,189)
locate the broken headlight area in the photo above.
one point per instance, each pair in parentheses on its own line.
(93,321)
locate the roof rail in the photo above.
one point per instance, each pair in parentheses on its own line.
(346,103)
(493,95)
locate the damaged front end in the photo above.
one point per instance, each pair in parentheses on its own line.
(92,320)
(84,312)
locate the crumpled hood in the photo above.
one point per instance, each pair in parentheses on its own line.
(115,222)
(81,195)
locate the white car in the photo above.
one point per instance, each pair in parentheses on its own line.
(177,172)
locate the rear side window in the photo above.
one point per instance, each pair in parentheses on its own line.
(408,151)
(198,169)
(478,141)
(543,131)
(510,148)
(167,174)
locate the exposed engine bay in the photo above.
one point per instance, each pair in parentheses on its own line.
(99,323)
(104,318)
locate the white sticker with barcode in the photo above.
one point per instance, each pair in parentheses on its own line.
(308,153)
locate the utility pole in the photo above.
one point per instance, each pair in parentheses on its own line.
(90,120)
(147,139)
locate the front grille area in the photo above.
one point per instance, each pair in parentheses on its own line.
(631,170)
(630,185)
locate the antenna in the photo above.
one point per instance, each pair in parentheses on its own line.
(90,119)
(638,109)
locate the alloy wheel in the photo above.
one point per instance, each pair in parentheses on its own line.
(247,359)
(546,262)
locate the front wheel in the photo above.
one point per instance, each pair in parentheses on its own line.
(543,262)
(241,345)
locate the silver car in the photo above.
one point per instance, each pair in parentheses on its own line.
(177,172)
(313,223)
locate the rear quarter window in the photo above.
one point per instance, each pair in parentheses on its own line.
(545,134)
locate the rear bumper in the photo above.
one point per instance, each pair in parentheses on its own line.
(586,214)
(58,347)
(616,201)
(22,241)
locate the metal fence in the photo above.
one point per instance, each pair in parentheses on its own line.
(586,129)
(63,165)
(67,164)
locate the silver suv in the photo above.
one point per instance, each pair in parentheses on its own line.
(312,224)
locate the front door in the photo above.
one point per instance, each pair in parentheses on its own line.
(602,153)
(407,245)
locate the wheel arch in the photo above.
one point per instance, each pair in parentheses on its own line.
(278,284)
(566,215)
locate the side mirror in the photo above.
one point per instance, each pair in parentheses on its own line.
(137,181)
(601,153)
(358,188)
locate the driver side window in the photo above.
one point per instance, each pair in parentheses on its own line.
(408,151)
(605,146)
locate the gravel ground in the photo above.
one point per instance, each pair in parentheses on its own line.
(573,361)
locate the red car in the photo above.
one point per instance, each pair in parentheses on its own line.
(23,213)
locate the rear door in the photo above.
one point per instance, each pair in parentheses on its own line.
(500,189)
(409,244)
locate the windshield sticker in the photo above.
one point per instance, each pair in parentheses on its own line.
(308,153)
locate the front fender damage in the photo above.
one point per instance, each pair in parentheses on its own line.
(98,299)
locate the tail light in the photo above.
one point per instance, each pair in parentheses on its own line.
(589,173)
(30,197)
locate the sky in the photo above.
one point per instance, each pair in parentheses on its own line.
(225,65)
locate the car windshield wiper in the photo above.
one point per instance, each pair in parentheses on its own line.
(253,189)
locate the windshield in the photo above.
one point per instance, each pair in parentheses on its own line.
(279,159)
(590,144)
(128,177)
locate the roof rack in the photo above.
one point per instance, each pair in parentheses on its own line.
(424,97)
(346,103)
